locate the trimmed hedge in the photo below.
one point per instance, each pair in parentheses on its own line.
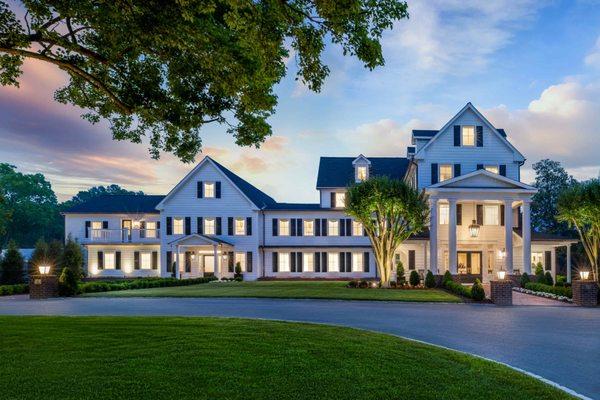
(20,288)
(474,292)
(557,290)
(142,283)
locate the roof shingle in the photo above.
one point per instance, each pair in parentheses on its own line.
(338,172)
(118,203)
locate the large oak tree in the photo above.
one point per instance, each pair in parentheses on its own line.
(165,69)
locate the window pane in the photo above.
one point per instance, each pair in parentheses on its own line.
(357,262)
(309,227)
(240,258)
(96,224)
(333,226)
(145,260)
(240,226)
(444,214)
(468,136)
(491,215)
(209,189)
(109,260)
(361,173)
(284,262)
(445,172)
(492,168)
(177,226)
(151,229)
(340,200)
(308,261)
(333,262)
(209,226)
(357,228)
(284,227)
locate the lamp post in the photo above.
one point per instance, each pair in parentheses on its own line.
(584,275)
(501,275)
(44,269)
(45,285)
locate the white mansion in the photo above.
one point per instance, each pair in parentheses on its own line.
(214,219)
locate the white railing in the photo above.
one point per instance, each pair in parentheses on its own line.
(123,235)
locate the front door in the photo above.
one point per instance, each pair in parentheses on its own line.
(469,262)
(126,230)
(209,265)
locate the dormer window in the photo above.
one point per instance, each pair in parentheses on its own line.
(361,173)
(361,168)
(468,135)
(209,189)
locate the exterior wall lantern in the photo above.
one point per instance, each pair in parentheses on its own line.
(585,275)
(44,269)
(474,229)
(501,275)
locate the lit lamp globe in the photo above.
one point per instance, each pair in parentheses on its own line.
(474,229)
(44,269)
(501,275)
(585,275)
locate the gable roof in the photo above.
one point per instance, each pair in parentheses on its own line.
(429,133)
(469,106)
(504,182)
(338,172)
(118,204)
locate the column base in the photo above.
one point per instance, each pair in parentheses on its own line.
(585,293)
(43,287)
(501,292)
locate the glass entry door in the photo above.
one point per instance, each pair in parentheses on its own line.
(469,262)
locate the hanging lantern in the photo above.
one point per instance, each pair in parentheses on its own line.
(474,229)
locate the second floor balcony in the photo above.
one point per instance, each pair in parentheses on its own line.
(122,236)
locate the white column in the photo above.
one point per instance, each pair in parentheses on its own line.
(508,228)
(216,261)
(433,223)
(569,262)
(177,272)
(526,230)
(425,256)
(553,264)
(452,236)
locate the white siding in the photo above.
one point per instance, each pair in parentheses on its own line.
(127,261)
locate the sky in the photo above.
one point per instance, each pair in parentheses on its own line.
(531,67)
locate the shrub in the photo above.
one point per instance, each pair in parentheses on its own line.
(525,279)
(11,266)
(140,283)
(557,290)
(561,279)
(393,284)
(238,276)
(72,258)
(457,288)
(400,277)
(477,292)
(20,288)
(39,257)
(429,280)
(539,268)
(352,284)
(67,282)
(447,277)
(548,278)
(363,284)
(414,278)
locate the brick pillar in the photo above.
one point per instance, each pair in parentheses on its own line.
(43,286)
(501,292)
(585,293)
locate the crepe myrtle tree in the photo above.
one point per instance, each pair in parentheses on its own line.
(165,69)
(390,211)
(579,207)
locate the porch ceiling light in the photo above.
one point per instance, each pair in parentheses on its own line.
(585,275)
(474,229)
(44,269)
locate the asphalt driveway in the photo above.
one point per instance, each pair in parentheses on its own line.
(561,344)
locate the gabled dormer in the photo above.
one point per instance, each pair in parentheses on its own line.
(362,167)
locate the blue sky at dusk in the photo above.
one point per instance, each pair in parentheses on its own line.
(532,67)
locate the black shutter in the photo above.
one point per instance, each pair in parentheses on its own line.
(117,260)
(548,260)
(456,170)
(88,224)
(324,262)
(348,227)
(300,227)
(317,261)
(199,190)
(230,226)
(434,173)
(458,214)
(104,224)
(317,226)
(480,136)
(411,259)
(169,226)
(230,260)
(188,225)
(299,262)
(100,260)
(136,260)
(248,226)
(348,262)
(342,227)
(502,214)
(456,135)
(323,226)
(142,229)
(293,227)
(218,189)
(479,214)
(169,261)
(293,261)
(366,262)
(218,230)
(342,261)
(248,261)
(188,261)
(275,262)
(502,169)
(155,260)
(332,195)
(275,231)
(200,225)
(157,229)
(479,166)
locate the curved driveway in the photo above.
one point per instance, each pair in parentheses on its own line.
(561,344)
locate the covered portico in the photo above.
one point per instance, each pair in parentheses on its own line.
(471,225)
(199,255)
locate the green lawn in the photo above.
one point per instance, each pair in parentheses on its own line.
(213,358)
(286,289)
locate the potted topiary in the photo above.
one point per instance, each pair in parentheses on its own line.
(414,278)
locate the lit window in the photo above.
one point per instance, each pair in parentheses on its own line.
(96,224)
(96,232)
(240,226)
(340,200)
(151,229)
(537,258)
(284,227)
(492,168)
(209,189)
(240,258)
(333,227)
(445,172)
(109,260)
(468,136)
(444,214)
(177,226)
(209,226)
(491,215)
(145,260)
(308,261)
(309,227)
(284,262)
(357,228)
(361,173)
(357,262)
(333,262)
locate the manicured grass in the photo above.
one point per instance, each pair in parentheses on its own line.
(287,289)
(212,358)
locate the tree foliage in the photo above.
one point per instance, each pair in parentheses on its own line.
(390,211)
(11,266)
(165,69)
(96,191)
(579,207)
(72,258)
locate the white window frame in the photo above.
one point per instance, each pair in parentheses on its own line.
(239,227)
(284,227)
(357,262)
(308,262)
(464,135)
(110,260)
(362,172)
(210,226)
(308,228)
(450,168)
(444,214)
(333,262)
(340,200)
(145,260)
(333,227)
(284,262)
(209,190)
(241,258)
(494,169)
(151,229)
(357,228)
(178,225)
(486,219)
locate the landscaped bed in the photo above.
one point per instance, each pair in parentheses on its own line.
(212,358)
(288,289)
